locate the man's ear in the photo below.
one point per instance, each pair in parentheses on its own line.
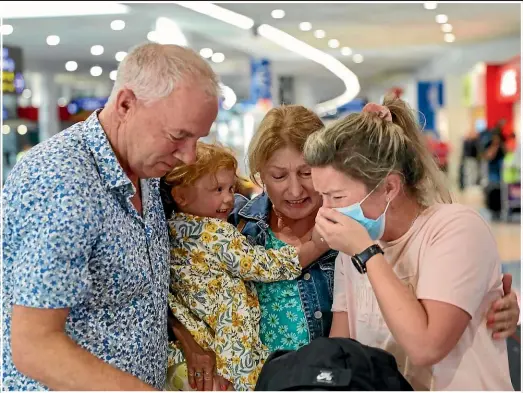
(125,100)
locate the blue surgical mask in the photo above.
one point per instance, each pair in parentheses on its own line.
(376,227)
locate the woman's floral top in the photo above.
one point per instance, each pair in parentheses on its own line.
(283,324)
(210,259)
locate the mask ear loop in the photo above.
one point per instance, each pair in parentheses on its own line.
(388,204)
(374,189)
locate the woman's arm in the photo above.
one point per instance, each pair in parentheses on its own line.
(456,273)
(427,330)
(310,251)
(340,325)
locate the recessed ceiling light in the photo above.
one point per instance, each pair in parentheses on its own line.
(319,34)
(449,37)
(278,14)
(430,5)
(357,58)
(120,56)
(6,129)
(22,129)
(118,24)
(218,57)
(442,18)
(53,40)
(96,71)
(71,66)
(113,74)
(206,53)
(6,29)
(152,36)
(334,43)
(97,50)
(446,28)
(345,51)
(305,26)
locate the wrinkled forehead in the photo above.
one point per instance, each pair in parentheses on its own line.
(286,158)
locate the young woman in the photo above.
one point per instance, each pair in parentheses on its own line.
(422,292)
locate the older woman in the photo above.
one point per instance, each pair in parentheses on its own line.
(293,312)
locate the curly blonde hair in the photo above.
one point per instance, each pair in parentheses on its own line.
(210,158)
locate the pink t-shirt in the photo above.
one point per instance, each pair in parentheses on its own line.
(450,255)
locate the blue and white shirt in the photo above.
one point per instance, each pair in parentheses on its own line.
(72,239)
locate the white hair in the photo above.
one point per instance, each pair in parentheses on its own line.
(153,71)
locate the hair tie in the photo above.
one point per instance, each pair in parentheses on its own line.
(382,111)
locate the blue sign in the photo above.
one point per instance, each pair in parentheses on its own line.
(354,106)
(87,104)
(430,100)
(12,68)
(261,80)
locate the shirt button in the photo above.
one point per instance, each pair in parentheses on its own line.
(307,276)
(318,314)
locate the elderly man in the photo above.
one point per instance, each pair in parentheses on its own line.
(85,247)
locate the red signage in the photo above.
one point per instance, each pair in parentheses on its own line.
(509,81)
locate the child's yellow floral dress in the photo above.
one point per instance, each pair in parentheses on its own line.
(210,293)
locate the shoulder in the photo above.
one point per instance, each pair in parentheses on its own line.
(57,172)
(455,216)
(459,230)
(62,159)
(189,225)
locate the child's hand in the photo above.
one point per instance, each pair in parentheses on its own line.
(221,384)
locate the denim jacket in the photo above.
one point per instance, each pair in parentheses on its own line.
(316,281)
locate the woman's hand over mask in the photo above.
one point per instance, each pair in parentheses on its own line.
(341,232)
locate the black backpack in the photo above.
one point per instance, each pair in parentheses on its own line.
(332,364)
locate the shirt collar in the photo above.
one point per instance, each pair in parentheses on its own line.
(257,208)
(110,170)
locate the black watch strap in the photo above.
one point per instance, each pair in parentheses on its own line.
(360,260)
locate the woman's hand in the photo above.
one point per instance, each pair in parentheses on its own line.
(503,316)
(341,232)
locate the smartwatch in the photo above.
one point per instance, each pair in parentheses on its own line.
(360,260)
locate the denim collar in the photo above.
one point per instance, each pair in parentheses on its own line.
(257,208)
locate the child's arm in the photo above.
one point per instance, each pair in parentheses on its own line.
(246,261)
(310,251)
